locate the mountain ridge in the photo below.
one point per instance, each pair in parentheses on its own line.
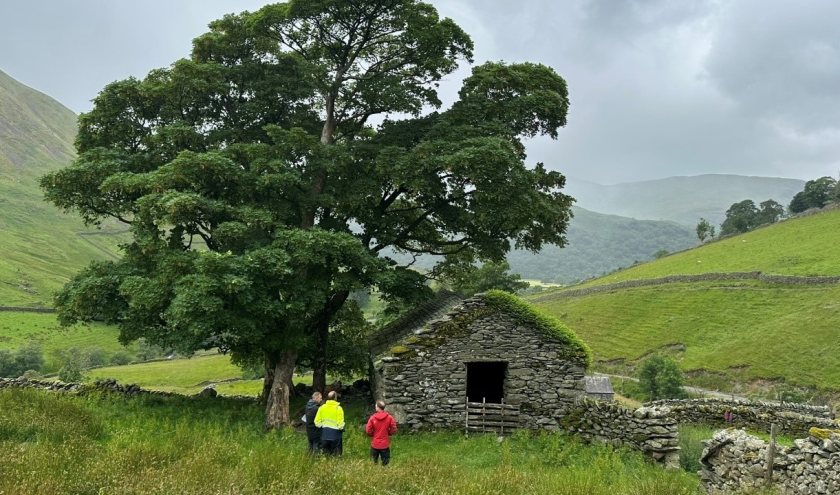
(36,131)
(683,199)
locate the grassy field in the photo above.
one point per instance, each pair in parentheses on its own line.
(183,376)
(803,246)
(19,328)
(101,445)
(746,329)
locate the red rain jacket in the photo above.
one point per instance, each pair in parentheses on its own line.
(381,426)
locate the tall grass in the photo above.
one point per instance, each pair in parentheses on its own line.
(108,445)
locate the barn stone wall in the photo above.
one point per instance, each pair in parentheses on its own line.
(649,429)
(734,461)
(423,378)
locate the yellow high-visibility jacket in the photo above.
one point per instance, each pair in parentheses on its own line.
(330,415)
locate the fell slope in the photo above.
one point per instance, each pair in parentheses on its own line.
(803,246)
(41,247)
(599,244)
(736,330)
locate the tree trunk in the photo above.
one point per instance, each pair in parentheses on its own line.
(268,380)
(319,363)
(277,408)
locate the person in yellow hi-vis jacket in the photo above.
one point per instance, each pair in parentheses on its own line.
(330,419)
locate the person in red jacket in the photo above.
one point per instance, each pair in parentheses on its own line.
(381,426)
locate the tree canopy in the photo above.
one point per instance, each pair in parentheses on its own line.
(745,215)
(259,195)
(705,230)
(660,377)
(469,279)
(816,194)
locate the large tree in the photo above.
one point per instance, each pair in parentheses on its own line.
(816,194)
(740,217)
(260,195)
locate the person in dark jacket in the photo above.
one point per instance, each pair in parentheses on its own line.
(380,427)
(313,433)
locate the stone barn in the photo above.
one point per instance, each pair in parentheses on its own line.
(599,387)
(490,362)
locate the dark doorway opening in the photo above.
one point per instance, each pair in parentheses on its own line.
(486,381)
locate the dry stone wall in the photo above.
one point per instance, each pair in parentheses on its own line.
(676,279)
(649,429)
(105,385)
(24,309)
(734,460)
(792,419)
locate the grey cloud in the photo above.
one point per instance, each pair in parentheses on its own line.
(658,87)
(781,60)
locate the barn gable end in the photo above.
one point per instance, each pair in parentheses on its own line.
(492,347)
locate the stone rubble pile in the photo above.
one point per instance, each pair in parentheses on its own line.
(734,460)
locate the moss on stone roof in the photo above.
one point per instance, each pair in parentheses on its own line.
(529,315)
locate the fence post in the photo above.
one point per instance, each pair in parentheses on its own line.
(467,415)
(503,417)
(771,454)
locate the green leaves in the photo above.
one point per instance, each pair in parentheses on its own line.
(529,99)
(660,378)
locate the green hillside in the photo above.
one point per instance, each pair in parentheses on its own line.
(804,246)
(599,244)
(21,328)
(724,331)
(183,376)
(42,247)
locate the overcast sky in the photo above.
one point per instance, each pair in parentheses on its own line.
(658,88)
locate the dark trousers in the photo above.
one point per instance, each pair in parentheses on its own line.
(385,454)
(332,447)
(314,444)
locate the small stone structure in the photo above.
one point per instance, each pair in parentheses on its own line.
(649,429)
(734,460)
(791,419)
(490,348)
(598,387)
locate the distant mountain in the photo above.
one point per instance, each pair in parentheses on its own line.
(599,244)
(681,199)
(41,247)
(36,132)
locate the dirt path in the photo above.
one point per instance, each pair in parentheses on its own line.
(693,390)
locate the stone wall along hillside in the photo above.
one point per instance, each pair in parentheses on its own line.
(792,419)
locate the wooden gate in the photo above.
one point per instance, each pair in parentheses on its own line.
(489,417)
